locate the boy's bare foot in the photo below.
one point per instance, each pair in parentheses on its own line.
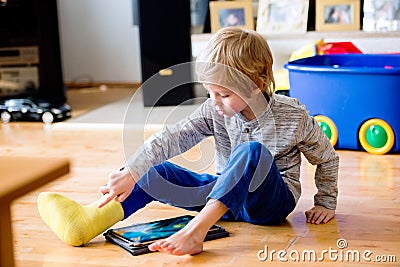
(181,243)
(190,239)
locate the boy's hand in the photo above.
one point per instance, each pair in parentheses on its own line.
(319,214)
(119,186)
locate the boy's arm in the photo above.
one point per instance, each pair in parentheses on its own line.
(317,149)
(160,147)
(171,141)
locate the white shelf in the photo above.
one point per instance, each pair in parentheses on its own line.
(314,35)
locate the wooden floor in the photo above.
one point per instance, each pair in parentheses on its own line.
(83,100)
(368,214)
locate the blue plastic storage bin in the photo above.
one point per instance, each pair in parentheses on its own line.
(357,98)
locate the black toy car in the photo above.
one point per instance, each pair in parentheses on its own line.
(24,109)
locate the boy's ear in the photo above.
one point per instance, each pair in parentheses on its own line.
(260,83)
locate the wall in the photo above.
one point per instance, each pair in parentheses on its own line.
(99,42)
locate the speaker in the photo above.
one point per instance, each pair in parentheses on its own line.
(29,38)
(165,41)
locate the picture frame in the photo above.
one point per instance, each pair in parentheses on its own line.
(282,16)
(381,16)
(231,13)
(337,15)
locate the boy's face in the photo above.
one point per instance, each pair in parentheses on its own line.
(226,102)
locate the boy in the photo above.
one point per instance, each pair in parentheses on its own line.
(259,137)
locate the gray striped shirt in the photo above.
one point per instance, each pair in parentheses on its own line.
(285,128)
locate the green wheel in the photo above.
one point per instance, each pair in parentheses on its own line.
(376,136)
(328,127)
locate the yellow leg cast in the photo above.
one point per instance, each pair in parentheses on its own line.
(77,224)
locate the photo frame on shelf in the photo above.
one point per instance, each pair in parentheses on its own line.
(282,16)
(337,15)
(381,16)
(231,13)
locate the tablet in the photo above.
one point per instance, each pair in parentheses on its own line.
(136,238)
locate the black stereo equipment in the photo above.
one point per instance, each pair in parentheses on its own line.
(30,57)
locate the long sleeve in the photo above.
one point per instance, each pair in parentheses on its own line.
(171,141)
(317,149)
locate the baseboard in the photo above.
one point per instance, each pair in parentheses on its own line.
(80,85)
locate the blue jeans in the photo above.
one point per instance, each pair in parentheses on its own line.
(250,186)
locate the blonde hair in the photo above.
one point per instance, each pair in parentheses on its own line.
(235,56)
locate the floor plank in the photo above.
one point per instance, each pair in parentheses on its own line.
(83,100)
